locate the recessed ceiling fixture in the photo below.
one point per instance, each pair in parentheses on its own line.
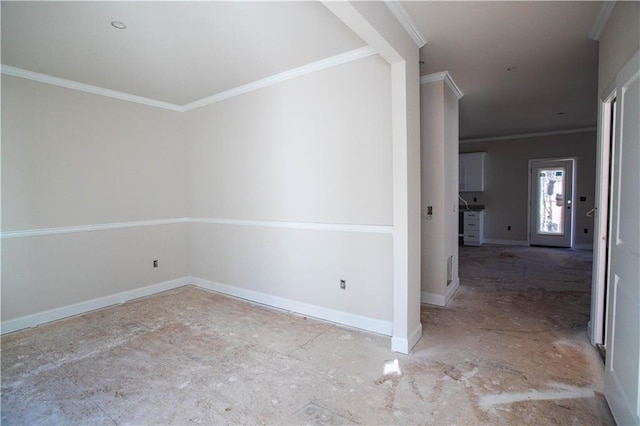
(512,68)
(119,25)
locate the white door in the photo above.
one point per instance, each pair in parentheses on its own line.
(551,216)
(622,367)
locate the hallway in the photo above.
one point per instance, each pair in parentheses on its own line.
(511,348)
(514,337)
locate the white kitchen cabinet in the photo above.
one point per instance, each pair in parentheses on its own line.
(471,171)
(473,228)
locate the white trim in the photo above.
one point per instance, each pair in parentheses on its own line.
(343,58)
(451,290)
(338,227)
(328,314)
(530,135)
(407,23)
(590,333)
(572,220)
(404,345)
(606,8)
(69,84)
(439,299)
(432,299)
(439,76)
(601,220)
(374,229)
(506,242)
(88,228)
(322,64)
(90,305)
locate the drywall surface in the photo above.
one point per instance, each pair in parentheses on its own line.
(506,182)
(42,273)
(73,159)
(433,192)
(439,155)
(299,265)
(619,41)
(451,151)
(312,149)
(316,149)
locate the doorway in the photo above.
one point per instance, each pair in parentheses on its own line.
(551,201)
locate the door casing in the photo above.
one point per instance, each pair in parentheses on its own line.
(569,196)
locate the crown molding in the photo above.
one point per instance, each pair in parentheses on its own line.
(606,7)
(70,84)
(530,135)
(407,23)
(332,61)
(440,76)
(322,64)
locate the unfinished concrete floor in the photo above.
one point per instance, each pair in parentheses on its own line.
(511,348)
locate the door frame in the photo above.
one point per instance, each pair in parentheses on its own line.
(622,364)
(597,321)
(530,195)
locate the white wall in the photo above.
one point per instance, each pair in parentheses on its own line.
(316,149)
(439,155)
(71,159)
(619,41)
(312,150)
(506,182)
(374,23)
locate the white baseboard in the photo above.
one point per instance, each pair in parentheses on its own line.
(506,242)
(432,299)
(439,299)
(351,320)
(90,305)
(404,345)
(345,318)
(451,290)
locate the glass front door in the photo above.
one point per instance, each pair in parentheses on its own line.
(551,213)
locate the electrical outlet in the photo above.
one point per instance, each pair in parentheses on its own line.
(509,228)
(586,230)
(155,263)
(343,284)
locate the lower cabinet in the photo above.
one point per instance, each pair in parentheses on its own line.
(473,224)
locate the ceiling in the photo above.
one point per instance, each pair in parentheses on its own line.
(557,64)
(176,52)
(181,52)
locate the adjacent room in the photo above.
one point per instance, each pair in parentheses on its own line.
(320,212)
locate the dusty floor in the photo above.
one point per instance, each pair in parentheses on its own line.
(511,348)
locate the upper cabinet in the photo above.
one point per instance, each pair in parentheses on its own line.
(471,169)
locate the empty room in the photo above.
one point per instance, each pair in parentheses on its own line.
(320,212)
